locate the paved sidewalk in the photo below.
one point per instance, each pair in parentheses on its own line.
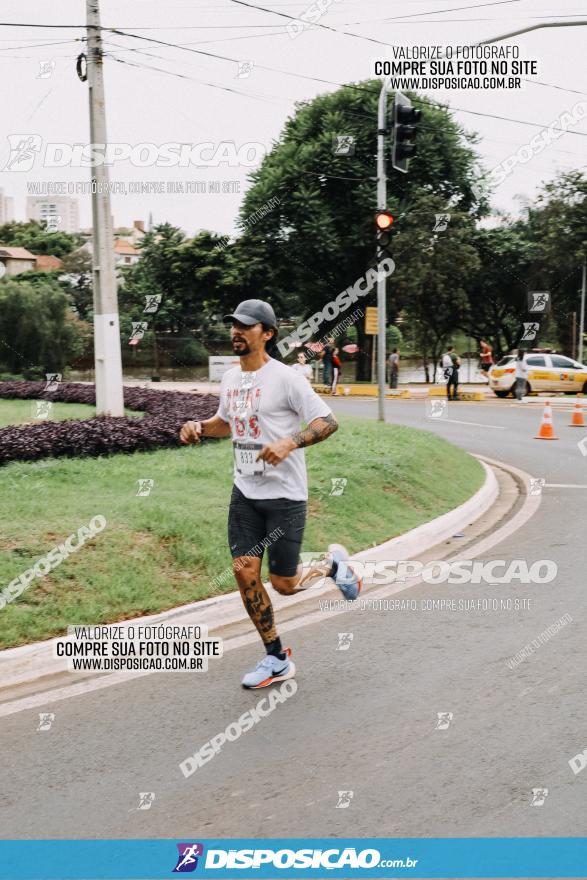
(205,387)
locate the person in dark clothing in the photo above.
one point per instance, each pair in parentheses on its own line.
(327,362)
(393,368)
(450,364)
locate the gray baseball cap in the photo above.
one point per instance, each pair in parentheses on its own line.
(253,311)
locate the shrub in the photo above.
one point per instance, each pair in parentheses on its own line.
(37,328)
(165,413)
(190,352)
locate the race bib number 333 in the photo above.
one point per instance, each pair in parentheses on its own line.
(245,455)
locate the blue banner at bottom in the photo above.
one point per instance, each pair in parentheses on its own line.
(304,858)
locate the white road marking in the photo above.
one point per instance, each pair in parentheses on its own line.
(565,485)
(478,424)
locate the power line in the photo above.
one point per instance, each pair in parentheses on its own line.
(298,75)
(231,39)
(536,82)
(204,27)
(79,27)
(329,82)
(448,20)
(40,45)
(314,24)
(452,9)
(495,116)
(265,98)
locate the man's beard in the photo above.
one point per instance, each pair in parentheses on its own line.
(243,350)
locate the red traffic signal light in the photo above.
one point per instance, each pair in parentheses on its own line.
(383,220)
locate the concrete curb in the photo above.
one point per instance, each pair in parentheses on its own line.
(29,663)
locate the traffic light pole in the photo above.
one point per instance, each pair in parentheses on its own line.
(582,313)
(381,282)
(108,363)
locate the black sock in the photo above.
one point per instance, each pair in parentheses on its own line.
(275,648)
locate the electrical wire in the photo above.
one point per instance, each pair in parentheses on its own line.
(40,45)
(291,73)
(315,23)
(330,82)
(452,9)
(265,98)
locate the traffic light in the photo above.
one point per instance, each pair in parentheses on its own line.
(403,131)
(383,224)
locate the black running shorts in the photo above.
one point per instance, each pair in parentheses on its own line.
(274,524)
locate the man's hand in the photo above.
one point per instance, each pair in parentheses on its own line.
(191,432)
(277,452)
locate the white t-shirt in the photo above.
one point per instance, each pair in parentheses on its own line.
(521,369)
(446,361)
(304,369)
(262,407)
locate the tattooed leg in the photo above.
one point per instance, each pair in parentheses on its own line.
(247,570)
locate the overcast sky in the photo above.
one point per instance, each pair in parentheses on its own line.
(153,107)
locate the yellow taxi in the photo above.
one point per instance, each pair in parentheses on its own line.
(546,372)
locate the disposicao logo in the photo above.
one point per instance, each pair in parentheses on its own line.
(187,860)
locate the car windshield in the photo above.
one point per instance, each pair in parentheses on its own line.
(505,360)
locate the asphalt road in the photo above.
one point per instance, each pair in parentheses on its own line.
(363,720)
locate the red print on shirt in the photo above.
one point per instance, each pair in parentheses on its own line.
(239,403)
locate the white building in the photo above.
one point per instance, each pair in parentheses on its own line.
(6,208)
(60,213)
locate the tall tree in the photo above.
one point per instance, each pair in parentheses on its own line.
(432,291)
(558,225)
(497,294)
(319,237)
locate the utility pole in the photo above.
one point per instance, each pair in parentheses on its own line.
(403,129)
(582,314)
(108,362)
(381,281)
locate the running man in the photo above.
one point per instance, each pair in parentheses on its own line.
(486,358)
(262,405)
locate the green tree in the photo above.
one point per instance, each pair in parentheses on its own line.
(509,265)
(38,331)
(35,238)
(319,237)
(431,292)
(188,275)
(557,224)
(77,281)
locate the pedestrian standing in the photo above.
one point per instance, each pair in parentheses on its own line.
(450,364)
(336,368)
(521,375)
(326,356)
(393,368)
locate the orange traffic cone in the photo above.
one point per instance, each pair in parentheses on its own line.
(546,429)
(577,419)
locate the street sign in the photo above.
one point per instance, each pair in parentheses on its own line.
(371,320)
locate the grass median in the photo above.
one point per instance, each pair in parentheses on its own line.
(21,412)
(164,548)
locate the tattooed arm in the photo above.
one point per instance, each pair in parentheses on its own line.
(317,430)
